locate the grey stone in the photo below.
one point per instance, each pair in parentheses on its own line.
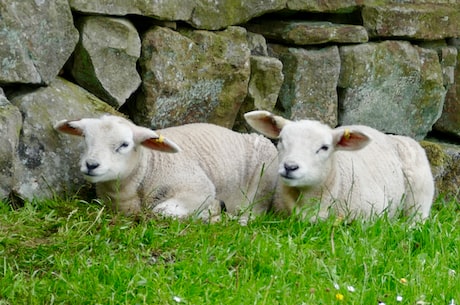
(105,59)
(218,14)
(392,86)
(263,89)
(449,122)
(36,39)
(265,82)
(310,82)
(163,9)
(340,6)
(414,21)
(257,44)
(10,126)
(449,60)
(192,76)
(308,32)
(201,14)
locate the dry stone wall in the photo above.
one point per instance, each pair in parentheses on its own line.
(390,64)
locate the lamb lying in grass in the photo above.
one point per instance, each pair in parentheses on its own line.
(350,170)
(139,169)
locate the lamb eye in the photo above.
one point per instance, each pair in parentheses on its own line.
(323,148)
(122,145)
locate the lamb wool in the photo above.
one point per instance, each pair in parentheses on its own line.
(350,171)
(189,170)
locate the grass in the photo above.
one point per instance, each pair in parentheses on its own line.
(72,252)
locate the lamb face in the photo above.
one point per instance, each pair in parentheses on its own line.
(305,149)
(112,146)
(110,152)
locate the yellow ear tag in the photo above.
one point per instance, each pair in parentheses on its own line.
(346,134)
(160,139)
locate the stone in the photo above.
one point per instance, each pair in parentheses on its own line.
(10,126)
(104,61)
(310,82)
(47,163)
(36,39)
(335,6)
(192,76)
(265,82)
(413,21)
(308,32)
(449,122)
(263,89)
(201,14)
(448,56)
(257,44)
(163,10)
(445,166)
(219,14)
(392,86)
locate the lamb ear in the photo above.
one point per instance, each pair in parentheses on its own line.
(266,122)
(349,139)
(161,144)
(69,127)
(152,140)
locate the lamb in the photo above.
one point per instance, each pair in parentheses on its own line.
(206,168)
(350,170)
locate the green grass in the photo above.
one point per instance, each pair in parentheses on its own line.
(72,252)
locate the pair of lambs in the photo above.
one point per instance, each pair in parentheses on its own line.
(351,171)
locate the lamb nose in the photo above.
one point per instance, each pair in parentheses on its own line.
(91,165)
(290,167)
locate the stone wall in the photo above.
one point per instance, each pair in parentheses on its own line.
(392,64)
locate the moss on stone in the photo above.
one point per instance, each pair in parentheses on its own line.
(434,153)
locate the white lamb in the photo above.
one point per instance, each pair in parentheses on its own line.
(350,170)
(139,169)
